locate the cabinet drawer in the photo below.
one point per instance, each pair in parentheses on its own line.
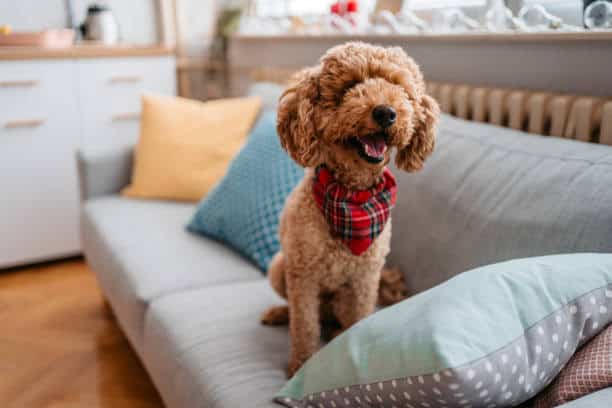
(39,217)
(110,91)
(33,89)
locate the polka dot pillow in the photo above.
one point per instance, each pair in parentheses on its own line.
(490,337)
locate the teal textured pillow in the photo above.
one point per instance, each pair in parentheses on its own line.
(490,337)
(243,209)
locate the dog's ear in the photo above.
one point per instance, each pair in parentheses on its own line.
(412,157)
(295,121)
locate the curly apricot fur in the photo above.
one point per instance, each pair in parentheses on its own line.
(327,105)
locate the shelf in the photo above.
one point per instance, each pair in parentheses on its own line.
(463,37)
(83,51)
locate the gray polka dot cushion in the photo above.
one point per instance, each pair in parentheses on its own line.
(490,337)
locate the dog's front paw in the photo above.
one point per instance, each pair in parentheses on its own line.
(276,316)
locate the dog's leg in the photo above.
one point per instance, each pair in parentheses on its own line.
(276,274)
(304,322)
(276,316)
(392,287)
(355,301)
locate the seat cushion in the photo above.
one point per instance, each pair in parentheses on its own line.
(243,209)
(140,251)
(489,194)
(597,399)
(185,145)
(495,335)
(268,92)
(207,347)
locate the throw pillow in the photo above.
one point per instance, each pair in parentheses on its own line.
(491,337)
(185,146)
(243,209)
(589,370)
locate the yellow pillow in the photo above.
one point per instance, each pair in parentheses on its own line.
(185,146)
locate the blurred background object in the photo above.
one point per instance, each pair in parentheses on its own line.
(570,11)
(137,18)
(100,25)
(52,38)
(598,15)
(201,30)
(210,49)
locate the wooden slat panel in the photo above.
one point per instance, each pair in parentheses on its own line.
(538,111)
(517,117)
(445,98)
(479,106)
(584,118)
(498,108)
(581,118)
(461,101)
(559,109)
(432,89)
(605,135)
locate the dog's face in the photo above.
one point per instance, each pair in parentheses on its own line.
(349,111)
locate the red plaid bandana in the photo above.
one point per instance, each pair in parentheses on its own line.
(354,217)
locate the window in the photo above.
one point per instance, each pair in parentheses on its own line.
(434,4)
(280,8)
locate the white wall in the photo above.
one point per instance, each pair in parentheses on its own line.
(137,18)
(32,14)
(196,21)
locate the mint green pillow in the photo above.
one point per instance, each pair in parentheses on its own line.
(490,337)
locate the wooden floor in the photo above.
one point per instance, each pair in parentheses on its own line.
(60,345)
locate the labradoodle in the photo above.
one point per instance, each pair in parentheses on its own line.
(339,121)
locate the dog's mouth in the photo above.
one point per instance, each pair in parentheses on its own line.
(371,147)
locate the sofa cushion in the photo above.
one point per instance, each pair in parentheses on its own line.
(185,145)
(243,209)
(207,347)
(597,399)
(489,194)
(141,251)
(495,335)
(268,92)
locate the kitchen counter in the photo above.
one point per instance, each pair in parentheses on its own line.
(83,51)
(467,37)
(566,62)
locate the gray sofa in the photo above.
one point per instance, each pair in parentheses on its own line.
(190,306)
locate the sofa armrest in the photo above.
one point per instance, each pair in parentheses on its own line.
(103,172)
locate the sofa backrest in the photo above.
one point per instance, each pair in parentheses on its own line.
(268,92)
(489,194)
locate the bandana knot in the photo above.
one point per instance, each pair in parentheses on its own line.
(356,217)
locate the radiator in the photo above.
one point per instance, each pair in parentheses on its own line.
(584,118)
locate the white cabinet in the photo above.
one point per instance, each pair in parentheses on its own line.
(39,132)
(48,108)
(109,96)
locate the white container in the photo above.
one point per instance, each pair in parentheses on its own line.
(100,25)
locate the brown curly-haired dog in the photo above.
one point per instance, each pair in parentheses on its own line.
(359,94)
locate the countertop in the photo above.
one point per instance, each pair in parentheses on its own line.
(479,37)
(83,51)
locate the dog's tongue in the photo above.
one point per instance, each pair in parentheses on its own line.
(374,145)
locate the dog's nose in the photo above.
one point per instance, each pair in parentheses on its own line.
(384,115)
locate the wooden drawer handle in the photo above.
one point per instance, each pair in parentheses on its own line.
(125,79)
(124,117)
(18,84)
(24,123)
